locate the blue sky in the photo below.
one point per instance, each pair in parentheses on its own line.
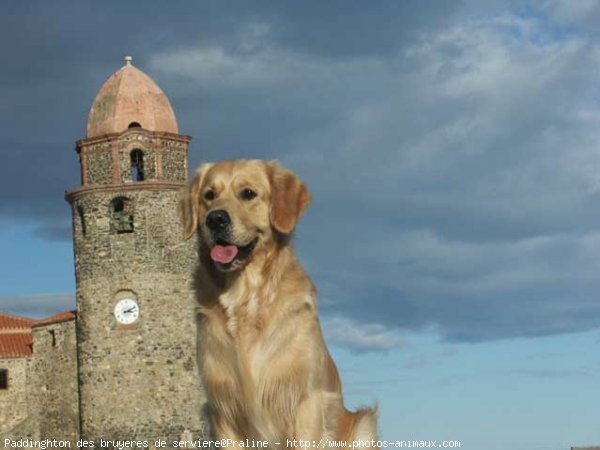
(452,151)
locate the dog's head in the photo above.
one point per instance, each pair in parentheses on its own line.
(241,207)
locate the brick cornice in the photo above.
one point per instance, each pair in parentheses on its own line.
(116,136)
(153,185)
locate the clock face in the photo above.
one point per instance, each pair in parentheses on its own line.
(127,311)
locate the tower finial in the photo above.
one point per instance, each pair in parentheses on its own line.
(128,60)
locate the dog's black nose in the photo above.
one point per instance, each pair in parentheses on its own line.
(217,220)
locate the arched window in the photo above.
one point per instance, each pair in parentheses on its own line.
(121,215)
(137,165)
(134,125)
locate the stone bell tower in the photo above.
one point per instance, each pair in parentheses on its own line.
(135,324)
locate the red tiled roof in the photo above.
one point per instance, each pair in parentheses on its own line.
(16,345)
(56,318)
(8,322)
(16,337)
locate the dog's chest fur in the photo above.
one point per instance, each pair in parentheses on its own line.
(241,305)
(244,335)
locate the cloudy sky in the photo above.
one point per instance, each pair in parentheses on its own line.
(452,149)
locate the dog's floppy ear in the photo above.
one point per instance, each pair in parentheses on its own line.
(289,198)
(190,201)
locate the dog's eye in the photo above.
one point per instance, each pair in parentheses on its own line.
(209,195)
(247,194)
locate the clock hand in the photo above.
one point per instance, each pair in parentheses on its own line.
(127,311)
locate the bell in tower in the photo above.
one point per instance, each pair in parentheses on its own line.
(138,378)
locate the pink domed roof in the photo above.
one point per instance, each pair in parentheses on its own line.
(130,98)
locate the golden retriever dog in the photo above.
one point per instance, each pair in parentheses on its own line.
(261,353)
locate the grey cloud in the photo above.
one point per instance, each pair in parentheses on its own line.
(359,336)
(465,291)
(584,12)
(37,306)
(499,173)
(59,58)
(450,150)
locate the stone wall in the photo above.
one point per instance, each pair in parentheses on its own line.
(42,402)
(13,401)
(157,243)
(99,167)
(137,381)
(174,167)
(54,389)
(165,158)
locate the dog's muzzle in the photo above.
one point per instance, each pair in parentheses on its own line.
(225,253)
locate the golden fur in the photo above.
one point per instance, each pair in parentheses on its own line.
(262,356)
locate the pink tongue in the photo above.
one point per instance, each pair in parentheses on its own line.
(223,254)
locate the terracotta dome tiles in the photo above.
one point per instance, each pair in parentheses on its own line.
(130,98)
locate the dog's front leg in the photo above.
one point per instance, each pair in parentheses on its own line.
(296,389)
